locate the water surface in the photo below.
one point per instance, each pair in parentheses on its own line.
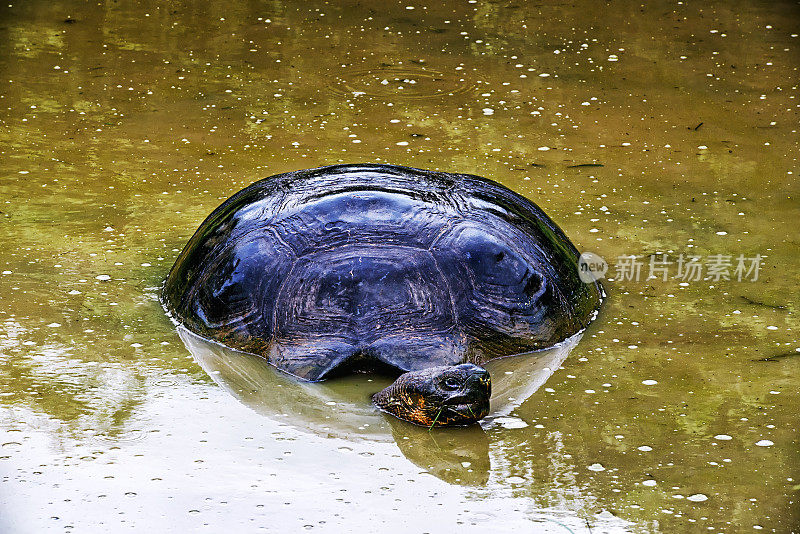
(665,128)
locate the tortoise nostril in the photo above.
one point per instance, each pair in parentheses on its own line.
(480,379)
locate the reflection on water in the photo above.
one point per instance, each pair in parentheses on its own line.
(338,408)
(341,408)
(457,457)
(124,124)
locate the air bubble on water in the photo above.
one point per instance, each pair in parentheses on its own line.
(697,497)
(596,467)
(649,382)
(765,443)
(723,437)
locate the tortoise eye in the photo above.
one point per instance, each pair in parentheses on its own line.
(451,383)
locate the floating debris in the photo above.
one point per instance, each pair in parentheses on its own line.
(760,303)
(511,422)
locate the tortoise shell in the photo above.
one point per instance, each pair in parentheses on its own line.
(325,270)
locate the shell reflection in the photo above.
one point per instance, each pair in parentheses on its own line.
(341,407)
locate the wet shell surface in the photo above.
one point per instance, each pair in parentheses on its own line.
(328,270)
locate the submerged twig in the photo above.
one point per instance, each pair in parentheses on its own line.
(776,357)
(764,304)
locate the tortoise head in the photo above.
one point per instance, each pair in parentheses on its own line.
(438,396)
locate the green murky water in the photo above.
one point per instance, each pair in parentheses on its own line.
(124,123)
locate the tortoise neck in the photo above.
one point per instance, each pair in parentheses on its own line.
(398,402)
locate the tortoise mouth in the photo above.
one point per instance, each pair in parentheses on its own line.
(458,406)
(469,407)
(461,400)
